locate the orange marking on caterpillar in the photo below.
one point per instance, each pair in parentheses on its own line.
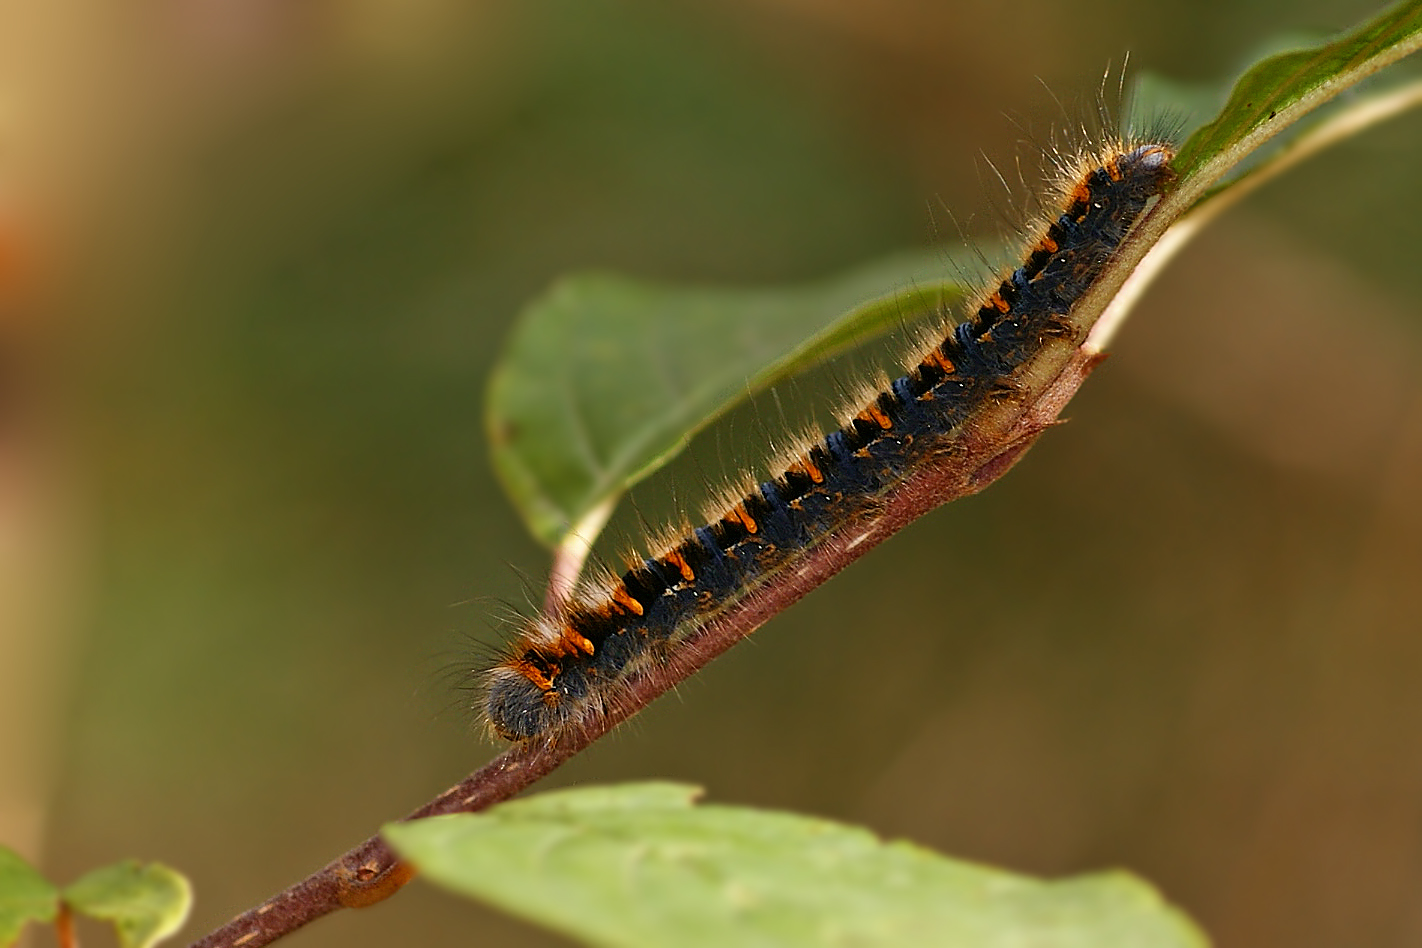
(740,515)
(936,356)
(875,415)
(534,674)
(807,467)
(577,641)
(623,598)
(673,558)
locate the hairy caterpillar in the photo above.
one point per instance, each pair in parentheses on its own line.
(566,667)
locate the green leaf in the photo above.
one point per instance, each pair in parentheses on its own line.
(146,902)
(604,378)
(639,865)
(25,896)
(1279,90)
(1156,99)
(1197,200)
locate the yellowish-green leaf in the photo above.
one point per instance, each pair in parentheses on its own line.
(25,896)
(638,866)
(145,902)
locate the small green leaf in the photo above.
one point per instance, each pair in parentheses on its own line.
(25,896)
(146,902)
(604,378)
(639,865)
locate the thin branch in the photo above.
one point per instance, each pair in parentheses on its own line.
(371,872)
(64,934)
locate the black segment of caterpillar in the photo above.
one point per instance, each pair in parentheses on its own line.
(567,667)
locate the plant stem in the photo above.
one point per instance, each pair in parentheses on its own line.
(371,873)
(64,934)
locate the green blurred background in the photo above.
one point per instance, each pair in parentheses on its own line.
(262,253)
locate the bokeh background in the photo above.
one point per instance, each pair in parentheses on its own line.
(257,257)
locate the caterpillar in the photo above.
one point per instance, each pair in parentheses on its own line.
(564,668)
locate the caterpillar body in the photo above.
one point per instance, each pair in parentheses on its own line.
(567,667)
